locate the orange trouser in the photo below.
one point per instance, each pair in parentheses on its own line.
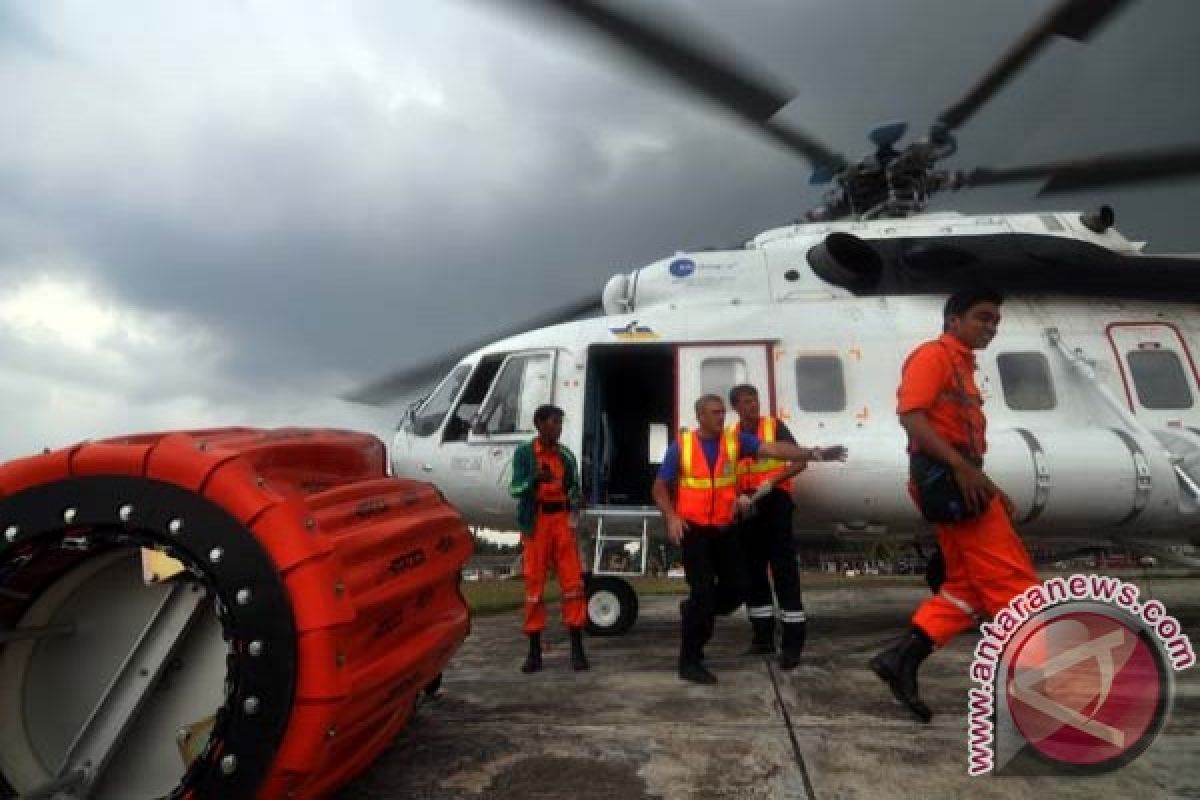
(552,542)
(986,566)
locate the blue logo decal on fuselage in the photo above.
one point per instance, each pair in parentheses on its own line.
(682,267)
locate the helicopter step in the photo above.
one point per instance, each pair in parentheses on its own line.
(620,550)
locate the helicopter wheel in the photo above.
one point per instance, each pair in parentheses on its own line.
(612,606)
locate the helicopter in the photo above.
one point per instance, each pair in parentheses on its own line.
(1090,387)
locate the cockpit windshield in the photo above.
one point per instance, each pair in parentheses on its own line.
(428,417)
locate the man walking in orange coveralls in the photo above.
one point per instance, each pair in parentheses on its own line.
(987,565)
(545,481)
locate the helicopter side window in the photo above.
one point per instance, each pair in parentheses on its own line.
(820,383)
(719,375)
(524,383)
(1159,379)
(1025,379)
(429,416)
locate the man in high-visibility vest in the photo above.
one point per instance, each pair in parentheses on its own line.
(545,481)
(701,464)
(941,409)
(765,530)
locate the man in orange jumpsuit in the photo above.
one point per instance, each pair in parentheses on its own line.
(987,565)
(545,481)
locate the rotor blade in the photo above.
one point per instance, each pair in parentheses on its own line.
(1091,173)
(699,66)
(1074,19)
(395,385)
(383,391)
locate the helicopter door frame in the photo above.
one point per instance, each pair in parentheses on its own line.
(519,434)
(1124,337)
(753,348)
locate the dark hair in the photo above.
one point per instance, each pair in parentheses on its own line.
(545,412)
(963,300)
(739,390)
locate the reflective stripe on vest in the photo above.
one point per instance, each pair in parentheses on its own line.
(702,496)
(754,472)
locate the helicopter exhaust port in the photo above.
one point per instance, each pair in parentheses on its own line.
(845,260)
(226,613)
(1098,220)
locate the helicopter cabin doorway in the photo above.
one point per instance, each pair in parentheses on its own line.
(640,395)
(636,398)
(630,401)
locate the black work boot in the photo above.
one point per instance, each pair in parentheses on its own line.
(794,634)
(897,667)
(579,661)
(683,612)
(696,673)
(763,641)
(533,661)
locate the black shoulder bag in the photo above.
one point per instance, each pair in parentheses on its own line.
(938,495)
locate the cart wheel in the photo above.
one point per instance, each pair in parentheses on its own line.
(612,606)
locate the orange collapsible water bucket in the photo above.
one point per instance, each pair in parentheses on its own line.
(217,614)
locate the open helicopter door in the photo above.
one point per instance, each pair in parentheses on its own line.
(622,531)
(715,369)
(505,418)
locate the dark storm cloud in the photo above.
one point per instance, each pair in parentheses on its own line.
(460,169)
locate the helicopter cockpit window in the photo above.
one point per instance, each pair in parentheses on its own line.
(524,383)
(820,383)
(431,413)
(1025,378)
(459,425)
(1159,379)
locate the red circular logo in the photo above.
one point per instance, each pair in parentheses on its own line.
(1086,689)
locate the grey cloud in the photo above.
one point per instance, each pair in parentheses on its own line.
(20,34)
(328,233)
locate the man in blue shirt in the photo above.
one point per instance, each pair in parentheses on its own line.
(701,464)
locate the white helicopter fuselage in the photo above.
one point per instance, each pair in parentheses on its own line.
(1093,428)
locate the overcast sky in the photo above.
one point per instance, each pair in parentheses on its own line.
(228,212)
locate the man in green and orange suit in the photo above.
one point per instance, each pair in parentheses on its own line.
(545,481)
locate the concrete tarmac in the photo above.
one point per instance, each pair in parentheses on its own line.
(629,728)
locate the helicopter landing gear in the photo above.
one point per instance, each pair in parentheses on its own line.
(612,605)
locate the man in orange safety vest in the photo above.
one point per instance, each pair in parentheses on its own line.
(701,464)
(765,531)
